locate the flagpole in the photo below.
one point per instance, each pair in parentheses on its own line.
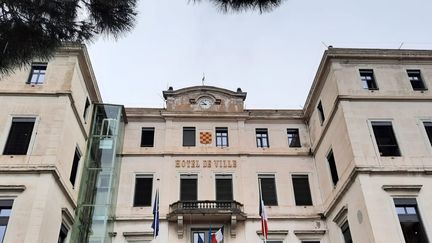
(264,233)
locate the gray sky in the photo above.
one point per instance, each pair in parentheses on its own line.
(273,56)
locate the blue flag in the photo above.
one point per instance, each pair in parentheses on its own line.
(155,224)
(200,240)
(210,235)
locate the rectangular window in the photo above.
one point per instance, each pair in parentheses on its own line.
(37,73)
(302,191)
(75,163)
(147,136)
(143,191)
(19,136)
(268,189)
(416,80)
(410,221)
(5,212)
(86,109)
(332,164)
(346,233)
(368,79)
(63,234)
(221,137)
(224,188)
(188,188)
(385,138)
(321,112)
(293,138)
(188,136)
(428,128)
(310,241)
(262,138)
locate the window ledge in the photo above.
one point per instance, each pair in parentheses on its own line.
(309,232)
(406,188)
(12,188)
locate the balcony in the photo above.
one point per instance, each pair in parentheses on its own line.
(206,212)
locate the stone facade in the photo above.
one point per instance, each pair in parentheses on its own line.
(361,190)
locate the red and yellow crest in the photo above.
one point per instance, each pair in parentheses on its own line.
(205,137)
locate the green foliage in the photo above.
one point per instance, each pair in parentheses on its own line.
(240,5)
(32,29)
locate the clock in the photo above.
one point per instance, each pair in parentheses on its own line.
(205,102)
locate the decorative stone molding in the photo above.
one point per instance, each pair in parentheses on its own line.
(233,226)
(402,188)
(67,218)
(180,226)
(341,216)
(274,234)
(138,236)
(12,188)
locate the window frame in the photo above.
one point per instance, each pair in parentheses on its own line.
(147,129)
(8,128)
(189,129)
(261,138)
(268,176)
(297,132)
(32,69)
(145,176)
(332,176)
(425,132)
(398,141)
(6,203)
(420,80)
(87,106)
(321,114)
(224,176)
(221,130)
(364,81)
(75,176)
(302,176)
(189,177)
(403,201)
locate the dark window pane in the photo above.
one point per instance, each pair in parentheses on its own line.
(368,79)
(262,138)
(385,139)
(188,136)
(63,234)
(416,80)
(332,164)
(37,73)
(268,190)
(321,112)
(346,233)
(19,136)
(221,137)
(293,138)
(188,189)
(224,190)
(147,137)
(428,127)
(310,241)
(143,191)
(74,169)
(410,220)
(5,209)
(302,190)
(86,108)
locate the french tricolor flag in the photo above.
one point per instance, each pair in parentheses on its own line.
(264,219)
(218,236)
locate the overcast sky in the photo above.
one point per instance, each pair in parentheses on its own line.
(273,57)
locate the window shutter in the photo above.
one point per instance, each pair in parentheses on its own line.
(188,189)
(143,191)
(302,190)
(224,190)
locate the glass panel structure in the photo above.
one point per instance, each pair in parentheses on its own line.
(99,183)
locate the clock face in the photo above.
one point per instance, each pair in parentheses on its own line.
(205,102)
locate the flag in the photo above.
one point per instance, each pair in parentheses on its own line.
(210,235)
(218,236)
(155,224)
(264,219)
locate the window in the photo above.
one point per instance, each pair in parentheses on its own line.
(224,188)
(75,163)
(188,188)
(428,128)
(147,137)
(188,136)
(86,109)
(5,212)
(143,190)
(368,79)
(63,234)
(416,80)
(221,137)
(302,192)
(310,241)
(410,221)
(37,73)
(262,138)
(321,113)
(19,136)
(385,138)
(346,233)
(332,164)
(268,189)
(293,138)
